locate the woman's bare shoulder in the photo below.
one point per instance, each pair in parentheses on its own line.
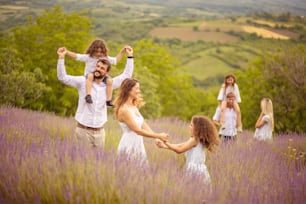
(123,112)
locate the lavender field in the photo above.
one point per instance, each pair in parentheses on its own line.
(41,162)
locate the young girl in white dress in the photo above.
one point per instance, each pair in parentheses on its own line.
(204,136)
(134,127)
(228,86)
(265,122)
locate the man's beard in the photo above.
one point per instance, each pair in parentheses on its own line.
(99,76)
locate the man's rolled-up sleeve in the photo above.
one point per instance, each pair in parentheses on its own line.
(74,81)
(127,73)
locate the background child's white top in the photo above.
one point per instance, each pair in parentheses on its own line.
(265,131)
(91,62)
(235,90)
(230,117)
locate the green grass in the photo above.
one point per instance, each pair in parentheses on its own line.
(207,66)
(218,60)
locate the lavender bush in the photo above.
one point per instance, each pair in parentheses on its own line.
(41,162)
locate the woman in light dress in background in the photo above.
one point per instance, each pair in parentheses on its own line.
(265,122)
(134,127)
(204,136)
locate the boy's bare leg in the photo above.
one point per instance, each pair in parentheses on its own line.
(222,116)
(89,81)
(109,92)
(238,112)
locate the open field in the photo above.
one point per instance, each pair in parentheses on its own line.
(188,34)
(13,7)
(216,31)
(41,162)
(122,22)
(264,33)
(228,53)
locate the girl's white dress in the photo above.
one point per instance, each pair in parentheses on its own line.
(265,131)
(132,144)
(195,162)
(222,93)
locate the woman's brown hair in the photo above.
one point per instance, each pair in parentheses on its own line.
(123,95)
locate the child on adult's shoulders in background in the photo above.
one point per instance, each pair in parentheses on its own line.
(204,136)
(97,50)
(229,85)
(265,122)
(229,131)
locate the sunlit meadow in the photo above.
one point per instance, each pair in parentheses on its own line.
(41,162)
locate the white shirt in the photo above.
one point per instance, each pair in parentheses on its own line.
(91,62)
(230,117)
(235,90)
(95,114)
(264,132)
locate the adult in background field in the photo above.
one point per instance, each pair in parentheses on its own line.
(127,104)
(228,131)
(265,122)
(91,117)
(230,85)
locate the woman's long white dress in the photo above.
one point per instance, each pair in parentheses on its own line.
(265,131)
(195,162)
(131,144)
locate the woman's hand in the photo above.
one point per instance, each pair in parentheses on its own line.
(163,136)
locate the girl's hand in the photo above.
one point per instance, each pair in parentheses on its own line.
(159,143)
(61,52)
(129,50)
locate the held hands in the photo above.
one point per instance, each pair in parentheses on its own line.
(163,136)
(159,143)
(62,51)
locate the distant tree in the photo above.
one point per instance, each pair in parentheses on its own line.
(167,91)
(281,77)
(20,88)
(284,17)
(35,46)
(233,19)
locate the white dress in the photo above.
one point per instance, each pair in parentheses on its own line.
(132,144)
(265,131)
(195,162)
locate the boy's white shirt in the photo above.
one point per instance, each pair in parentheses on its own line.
(230,117)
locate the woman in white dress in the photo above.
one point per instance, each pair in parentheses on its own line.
(265,122)
(204,136)
(134,127)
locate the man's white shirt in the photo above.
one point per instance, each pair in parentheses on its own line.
(95,114)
